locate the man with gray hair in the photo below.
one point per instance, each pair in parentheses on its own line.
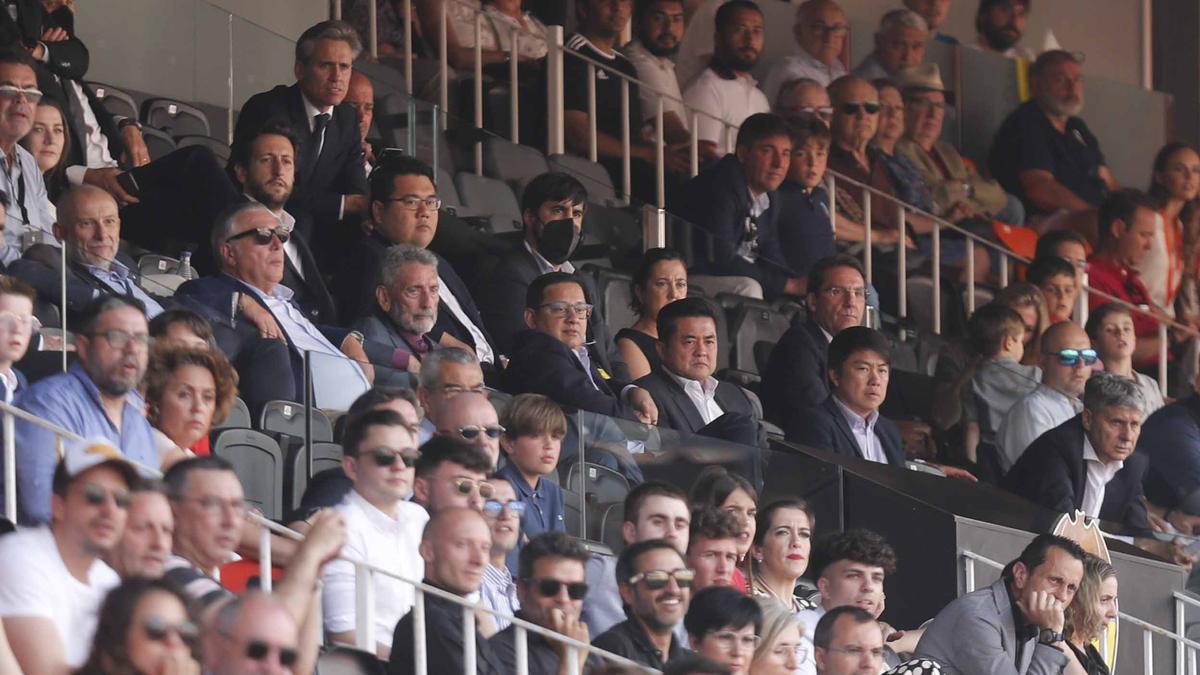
(446,373)
(820,30)
(899,44)
(330,183)
(406,305)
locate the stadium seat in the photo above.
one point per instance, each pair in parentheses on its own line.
(593,176)
(610,526)
(490,196)
(753,323)
(175,118)
(615,296)
(158,143)
(325,455)
(152,263)
(512,163)
(115,101)
(348,661)
(161,284)
(48,314)
(259,465)
(218,147)
(238,417)
(599,484)
(287,417)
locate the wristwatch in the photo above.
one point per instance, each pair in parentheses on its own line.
(129,122)
(1048,636)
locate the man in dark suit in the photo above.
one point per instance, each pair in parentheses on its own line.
(734,206)
(330,183)
(552,209)
(1170,440)
(49,37)
(551,357)
(267,175)
(795,378)
(406,309)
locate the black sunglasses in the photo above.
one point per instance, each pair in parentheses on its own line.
(853,108)
(257,650)
(471,432)
(95,495)
(387,456)
(262,235)
(158,630)
(549,588)
(1069,357)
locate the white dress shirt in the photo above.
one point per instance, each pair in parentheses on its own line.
(482,349)
(1098,475)
(311,111)
(23,171)
(659,73)
(544,266)
(1038,412)
(96,152)
(800,65)
(863,429)
(729,101)
(703,395)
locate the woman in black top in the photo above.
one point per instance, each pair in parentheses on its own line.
(660,278)
(1094,607)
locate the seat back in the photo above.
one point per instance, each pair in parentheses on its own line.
(599,484)
(446,189)
(219,148)
(115,101)
(238,417)
(158,143)
(326,455)
(287,417)
(593,176)
(175,118)
(152,263)
(512,163)
(258,463)
(490,196)
(754,323)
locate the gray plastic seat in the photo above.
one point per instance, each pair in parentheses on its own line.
(593,176)
(175,117)
(512,163)
(491,197)
(754,323)
(115,101)
(158,143)
(258,463)
(287,417)
(153,263)
(614,288)
(218,147)
(325,455)
(599,484)
(238,417)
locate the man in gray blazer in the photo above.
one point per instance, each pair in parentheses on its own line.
(406,309)
(1014,626)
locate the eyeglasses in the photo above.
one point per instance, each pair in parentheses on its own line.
(854,108)
(13,322)
(560,308)
(829,29)
(413,203)
(388,456)
(471,431)
(466,486)
(120,339)
(656,579)
(31,94)
(262,235)
(824,112)
(455,389)
(726,639)
(1070,357)
(549,588)
(493,508)
(95,495)
(257,650)
(838,292)
(213,505)
(158,629)
(856,652)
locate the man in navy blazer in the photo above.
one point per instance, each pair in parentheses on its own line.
(330,183)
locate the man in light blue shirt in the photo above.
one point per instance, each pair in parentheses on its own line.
(20,178)
(96,398)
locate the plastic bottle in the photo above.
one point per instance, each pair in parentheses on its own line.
(185,265)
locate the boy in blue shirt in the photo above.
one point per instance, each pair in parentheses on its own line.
(534,427)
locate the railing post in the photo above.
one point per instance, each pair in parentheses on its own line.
(969,573)
(372,29)
(364,608)
(867,234)
(265,581)
(970,275)
(408,52)
(1004,262)
(626,141)
(1180,630)
(654,227)
(1081,312)
(730,137)
(554,92)
(10,467)
(420,658)
(572,660)
(1162,357)
(1147,652)
(937,278)
(435,126)
(521,642)
(478,89)
(468,641)
(660,166)
(308,407)
(902,265)
(831,190)
(695,143)
(443,58)
(514,100)
(591,102)
(335,9)
(410,132)
(62,251)
(228,123)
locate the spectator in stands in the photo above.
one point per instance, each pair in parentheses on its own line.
(534,427)
(406,308)
(500,17)
(329,164)
(145,543)
(725,93)
(899,45)
(779,645)
(266,171)
(806,230)
(144,627)
(404,210)
(999,26)
(1027,300)
(653,511)
(451,474)
(553,359)
(383,528)
(96,398)
(182,326)
(910,185)
(1018,620)
(712,551)
(934,12)
(782,544)
(735,208)
(689,399)
(34,214)
(1092,610)
(1056,278)
(551,591)
(446,373)
(958,189)
(469,418)
(716,487)
(655,584)
(187,390)
(248,243)
(723,626)
(1174,187)
(1110,327)
(1066,360)
(46,35)
(1045,154)
(498,590)
(400,400)
(53,578)
(247,631)
(820,31)
(1000,380)
(803,99)
(17,325)
(552,208)
(455,547)
(50,144)
(1170,439)
(660,278)
(361,96)
(847,641)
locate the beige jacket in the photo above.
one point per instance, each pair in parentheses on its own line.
(964,184)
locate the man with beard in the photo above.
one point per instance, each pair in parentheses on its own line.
(1045,154)
(899,45)
(406,307)
(725,93)
(52,579)
(999,25)
(96,398)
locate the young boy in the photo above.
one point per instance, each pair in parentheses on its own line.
(1056,277)
(17,324)
(996,333)
(805,232)
(534,427)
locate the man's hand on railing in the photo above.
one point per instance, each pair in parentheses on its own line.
(568,623)
(326,534)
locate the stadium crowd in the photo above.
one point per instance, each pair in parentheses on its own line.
(326,267)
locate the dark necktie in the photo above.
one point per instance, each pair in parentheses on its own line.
(318,135)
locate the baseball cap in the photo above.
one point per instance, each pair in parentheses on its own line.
(83,456)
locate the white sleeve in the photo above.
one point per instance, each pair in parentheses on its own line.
(337,588)
(704,99)
(25,588)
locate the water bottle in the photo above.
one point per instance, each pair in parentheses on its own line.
(185,265)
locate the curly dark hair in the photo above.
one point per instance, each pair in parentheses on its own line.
(109,654)
(861,546)
(167,357)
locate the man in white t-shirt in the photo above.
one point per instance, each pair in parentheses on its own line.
(382,527)
(52,579)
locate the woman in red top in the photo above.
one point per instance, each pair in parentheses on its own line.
(187,388)
(1174,187)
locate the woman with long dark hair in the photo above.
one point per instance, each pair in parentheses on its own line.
(660,278)
(144,628)
(1172,259)
(49,141)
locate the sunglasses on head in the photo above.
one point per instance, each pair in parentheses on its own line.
(95,495)
(257,650)
(493,508)
(387,456)
(656,579)
(471,431)
(159,629)
(549,588)
(1069,357)
(853,108)
(262,235)
(466,486)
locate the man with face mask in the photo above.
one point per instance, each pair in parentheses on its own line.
(552,208)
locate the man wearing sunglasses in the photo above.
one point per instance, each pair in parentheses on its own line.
(470,418)
(52,579)
(446,373)
(820,32)
(1067,360)
(383,528)
(498,590)
(451,473)
(255,634)
(29,217)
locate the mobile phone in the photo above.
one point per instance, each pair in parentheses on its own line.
(129,184)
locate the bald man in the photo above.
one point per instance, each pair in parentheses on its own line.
(1067,358)
(470,418)
(455,546)
(361,97)
(802,99)
(246,625)
(820,30)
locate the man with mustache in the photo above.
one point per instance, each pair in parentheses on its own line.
(899,45)
(1045,154)
(725,93)
(999,26)
(406,307)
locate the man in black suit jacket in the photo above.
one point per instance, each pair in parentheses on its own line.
(330,183)
(49,37)
(551,358)
(735,208)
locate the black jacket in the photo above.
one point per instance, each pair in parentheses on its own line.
(825,427)
(677,411)
(443,643)
(540,364)
(796,377)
